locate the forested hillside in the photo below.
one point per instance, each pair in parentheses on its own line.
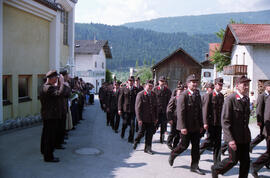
(202,24)
(131,45)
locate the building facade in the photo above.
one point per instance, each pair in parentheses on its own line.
(37,36)
(90,61)
(176,67)
(249,46)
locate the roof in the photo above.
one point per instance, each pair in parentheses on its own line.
(171,55)
(49,3)
(212,48)
(245,34)
(92,47)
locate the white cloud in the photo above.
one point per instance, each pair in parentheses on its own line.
(115,12)
(243,5)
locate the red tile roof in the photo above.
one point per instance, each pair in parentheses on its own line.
(251,33)
(212,48)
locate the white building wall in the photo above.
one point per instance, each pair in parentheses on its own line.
(243,55)
(85,63)
(261,65)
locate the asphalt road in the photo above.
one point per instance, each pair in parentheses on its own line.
(20,156)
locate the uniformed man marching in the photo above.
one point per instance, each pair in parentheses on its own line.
(260,115)
(50,113)
(190,123)
(146,114)
(174,136)
(163,94)
(264,159)
(235,119)
(140,88)
(112,106)
(126,108)
(212,108)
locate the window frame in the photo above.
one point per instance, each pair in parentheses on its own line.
(6,101)
(28,97)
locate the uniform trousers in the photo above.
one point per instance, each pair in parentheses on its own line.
(48,137)
(264,159)
(128,120)
(194,139)
(174,136)
(258,139)
(214,140)
(61,126)
(162,122)
(114,120)
(241,155)
(147,129)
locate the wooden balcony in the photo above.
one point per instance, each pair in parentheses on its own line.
(235,70)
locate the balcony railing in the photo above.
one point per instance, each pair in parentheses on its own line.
(235,70)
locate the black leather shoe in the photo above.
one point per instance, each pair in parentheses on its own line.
(253,172)
(267,166)
(130,141)
(171,159)
(122,135)
(214,172)
(116,131)
(53,160)
(135,145)
(150,152)
(198,171)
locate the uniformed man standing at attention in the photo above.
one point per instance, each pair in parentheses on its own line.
(235,119)
(51,114)
(146,114)
(190,123)
(126,108)
(163,97)
(212,108)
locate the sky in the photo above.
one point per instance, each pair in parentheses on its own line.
(117,12)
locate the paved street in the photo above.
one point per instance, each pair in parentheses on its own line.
(20,156)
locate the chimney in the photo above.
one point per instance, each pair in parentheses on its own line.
(206,56)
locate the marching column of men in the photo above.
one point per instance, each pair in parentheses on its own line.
(190,116)
(62,102)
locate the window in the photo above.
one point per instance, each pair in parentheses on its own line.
(207,74)
(41,81)
(102,65)
(236,61)
(24,88)
(64,20)
(6,89)
(95,64)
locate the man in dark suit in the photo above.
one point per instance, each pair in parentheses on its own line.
(163,94)
(112,106)
(235,119)
(174,136)
(212,108)
(264,159)
(190,123)
(51,114)
(126,107)
(140,88)
(146,114)
(260,115)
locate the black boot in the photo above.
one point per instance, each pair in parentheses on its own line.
(172,158)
